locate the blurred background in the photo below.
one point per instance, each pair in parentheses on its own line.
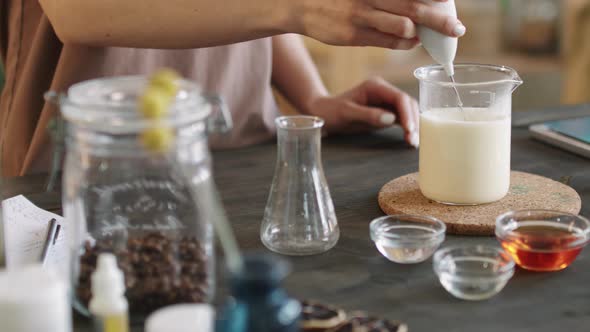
(546,41)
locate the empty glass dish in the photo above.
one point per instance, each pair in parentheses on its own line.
(407,239)
(473,272)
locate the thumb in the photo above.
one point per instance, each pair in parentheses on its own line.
(373,116)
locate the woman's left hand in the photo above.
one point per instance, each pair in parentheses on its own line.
(374,104)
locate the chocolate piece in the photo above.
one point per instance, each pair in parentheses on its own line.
(317,317)
(348,326)
(371,324)
(159,270)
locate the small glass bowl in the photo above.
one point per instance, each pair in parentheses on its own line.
(473,272)
(407,239)
(542,240)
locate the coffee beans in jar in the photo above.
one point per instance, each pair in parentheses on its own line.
(159,270)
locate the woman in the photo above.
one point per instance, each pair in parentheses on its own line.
(236,48)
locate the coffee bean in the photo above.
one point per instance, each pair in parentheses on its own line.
(159,270)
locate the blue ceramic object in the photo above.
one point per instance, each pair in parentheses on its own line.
(258,302)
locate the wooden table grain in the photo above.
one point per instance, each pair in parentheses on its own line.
(355,276)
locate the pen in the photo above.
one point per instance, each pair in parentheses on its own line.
(56,234)
(50,239)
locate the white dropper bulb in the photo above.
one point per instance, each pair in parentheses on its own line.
(441,48)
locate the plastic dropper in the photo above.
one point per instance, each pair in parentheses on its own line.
(440,47)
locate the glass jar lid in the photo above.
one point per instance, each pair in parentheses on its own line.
(110,105)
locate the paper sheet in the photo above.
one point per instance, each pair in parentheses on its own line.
(25,228)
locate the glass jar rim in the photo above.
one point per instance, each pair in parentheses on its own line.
(511,75)
(110,105)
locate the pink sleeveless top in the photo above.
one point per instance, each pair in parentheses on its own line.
(35,61)
(239,73)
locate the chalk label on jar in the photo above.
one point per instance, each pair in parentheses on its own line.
(152,204)
(164,185)
(120,223)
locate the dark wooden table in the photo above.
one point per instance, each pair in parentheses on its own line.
(355,276)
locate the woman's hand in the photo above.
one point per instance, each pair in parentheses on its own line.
(382,23)
(373,104)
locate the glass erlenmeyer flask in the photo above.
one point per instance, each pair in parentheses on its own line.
(465,152)
(299,218)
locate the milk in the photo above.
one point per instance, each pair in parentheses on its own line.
(464,155)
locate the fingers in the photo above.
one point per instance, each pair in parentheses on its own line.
(447,25)
(373,37)
(385,22)
(406,110)
(421,13)
(415,137)
(381,92)
(373,116)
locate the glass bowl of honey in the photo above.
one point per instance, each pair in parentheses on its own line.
(407,239)
(473,272)
(542,240)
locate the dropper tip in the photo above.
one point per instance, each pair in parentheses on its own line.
(449,69)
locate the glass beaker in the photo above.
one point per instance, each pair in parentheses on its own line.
(299,218)
(465,152)
(149,209)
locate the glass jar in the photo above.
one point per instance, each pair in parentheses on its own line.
(465,151)
(149,209)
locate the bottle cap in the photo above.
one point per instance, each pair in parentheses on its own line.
(107,277)
(181,318)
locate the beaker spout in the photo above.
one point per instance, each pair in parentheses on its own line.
(516,82)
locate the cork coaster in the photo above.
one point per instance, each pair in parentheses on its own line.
(527,191)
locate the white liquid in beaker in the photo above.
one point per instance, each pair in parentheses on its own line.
(464,155)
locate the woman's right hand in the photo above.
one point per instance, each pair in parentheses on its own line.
(381,23)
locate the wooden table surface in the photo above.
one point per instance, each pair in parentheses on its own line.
(354,275)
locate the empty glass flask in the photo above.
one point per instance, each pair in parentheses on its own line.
(299,218)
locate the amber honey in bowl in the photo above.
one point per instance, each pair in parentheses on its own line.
(542,240)
(543,246)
